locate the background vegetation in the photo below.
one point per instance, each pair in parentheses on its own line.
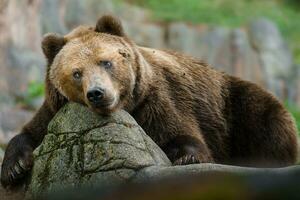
(231,13)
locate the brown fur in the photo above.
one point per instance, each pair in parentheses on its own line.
(193,112)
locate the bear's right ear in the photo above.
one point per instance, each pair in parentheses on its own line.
(52,43)
(111,25)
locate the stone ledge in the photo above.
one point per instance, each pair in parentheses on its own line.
(161,172)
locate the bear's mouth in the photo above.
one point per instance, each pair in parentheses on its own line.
(104,107)
(103,104)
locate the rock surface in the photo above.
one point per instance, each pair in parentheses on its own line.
(85,149)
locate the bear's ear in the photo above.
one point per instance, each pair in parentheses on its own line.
(52,43)
(111,25)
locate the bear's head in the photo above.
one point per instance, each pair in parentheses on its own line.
(93,66)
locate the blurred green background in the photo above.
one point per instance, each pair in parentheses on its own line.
(231,13)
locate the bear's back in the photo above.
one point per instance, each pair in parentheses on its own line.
(195,89)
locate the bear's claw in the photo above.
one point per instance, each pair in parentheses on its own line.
(186,159)
(16,167)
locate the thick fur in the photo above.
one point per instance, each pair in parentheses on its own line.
(193,112)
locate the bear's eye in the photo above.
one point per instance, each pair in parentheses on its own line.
(77,75)
(105,63)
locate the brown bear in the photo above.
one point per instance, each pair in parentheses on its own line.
(193,112)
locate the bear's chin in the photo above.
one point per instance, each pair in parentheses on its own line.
(103,110)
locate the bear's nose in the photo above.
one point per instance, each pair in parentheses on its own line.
(95,95)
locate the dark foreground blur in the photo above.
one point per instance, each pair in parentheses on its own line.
(206,186)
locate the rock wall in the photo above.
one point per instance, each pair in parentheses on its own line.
(256,52)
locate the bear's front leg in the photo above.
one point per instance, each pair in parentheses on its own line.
(18,160)
(185,149)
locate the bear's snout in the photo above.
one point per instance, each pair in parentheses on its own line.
(95,95)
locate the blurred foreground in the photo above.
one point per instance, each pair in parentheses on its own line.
(206,186)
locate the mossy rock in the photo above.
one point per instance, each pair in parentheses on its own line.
(83,148)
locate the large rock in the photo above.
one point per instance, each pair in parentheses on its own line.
(83,148)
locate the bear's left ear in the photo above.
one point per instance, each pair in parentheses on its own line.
(111,25)
(52,43)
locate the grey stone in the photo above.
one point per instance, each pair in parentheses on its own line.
(275,57)
(184,38)
(75,13)
(50,17)
(21,67)
(24,66)
(131,13)
(12,119)
(86,12)
(20,24)
(265,35)
(83,148)
(215,48)
(96,8)
(6,99)
(245,61)
(20,52)
(145,34)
